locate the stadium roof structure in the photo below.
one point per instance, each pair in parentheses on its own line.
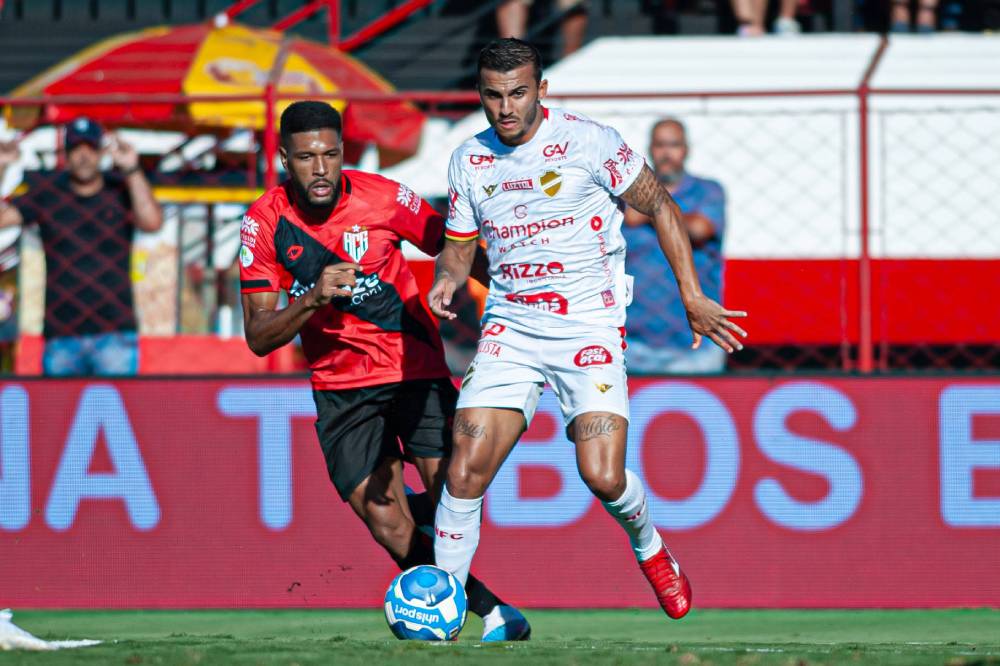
(170,77)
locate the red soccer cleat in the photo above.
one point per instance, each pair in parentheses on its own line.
(672,588)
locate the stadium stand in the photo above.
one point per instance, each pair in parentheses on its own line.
(420,53)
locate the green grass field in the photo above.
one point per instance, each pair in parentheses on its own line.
(792,638)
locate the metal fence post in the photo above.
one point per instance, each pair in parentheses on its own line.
(270,138)
(866,356)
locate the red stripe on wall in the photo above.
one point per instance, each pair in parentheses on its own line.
(815,301)
(915,301)
(790,302)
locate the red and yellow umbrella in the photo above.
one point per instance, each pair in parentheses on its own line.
(206,61)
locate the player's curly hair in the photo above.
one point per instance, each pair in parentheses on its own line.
(503,55)
(309,116)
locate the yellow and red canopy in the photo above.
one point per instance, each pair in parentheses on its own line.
(164,63)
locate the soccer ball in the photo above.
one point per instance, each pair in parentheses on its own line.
(425,604)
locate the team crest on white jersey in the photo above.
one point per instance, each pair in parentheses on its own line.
(550,181)
(356,242)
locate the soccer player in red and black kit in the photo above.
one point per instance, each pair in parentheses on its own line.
(331,239)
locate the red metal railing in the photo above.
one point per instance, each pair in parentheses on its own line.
(381,24)
(307,10)
(385,22)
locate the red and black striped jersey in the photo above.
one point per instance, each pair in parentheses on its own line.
(383,332)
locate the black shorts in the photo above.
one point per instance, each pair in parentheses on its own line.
(358,428)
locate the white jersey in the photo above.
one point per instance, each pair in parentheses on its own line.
(551,218)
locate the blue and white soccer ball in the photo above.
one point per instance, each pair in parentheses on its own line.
(425,603)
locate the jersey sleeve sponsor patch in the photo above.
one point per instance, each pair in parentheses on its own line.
(461,224)
(618,164)
(408,199)
(259,269)
(417,221)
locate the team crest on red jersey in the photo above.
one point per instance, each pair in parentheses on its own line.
(356,242)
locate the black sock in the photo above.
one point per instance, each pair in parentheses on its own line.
(421,508)
(481,599)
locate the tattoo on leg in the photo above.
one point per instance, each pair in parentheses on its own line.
(599,426)
(469,429)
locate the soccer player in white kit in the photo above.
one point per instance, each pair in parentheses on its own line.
(545,188)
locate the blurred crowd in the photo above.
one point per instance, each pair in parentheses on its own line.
(753,18)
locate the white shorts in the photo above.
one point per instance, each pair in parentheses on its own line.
(585,369)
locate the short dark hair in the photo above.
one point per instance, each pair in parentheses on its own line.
(309,116)
(503,55)
(669,120)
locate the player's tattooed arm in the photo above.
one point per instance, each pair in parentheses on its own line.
(706,317)
(450,272)
(647,195)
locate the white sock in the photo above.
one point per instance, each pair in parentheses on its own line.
(632,514)
(456,533)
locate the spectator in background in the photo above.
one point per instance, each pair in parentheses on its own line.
(659,337)
(512,21)
(750,17)
(86,219)
(901,16)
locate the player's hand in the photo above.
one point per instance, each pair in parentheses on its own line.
(9,153)
(124,155)
(440,295)
(336,280)
(708,318)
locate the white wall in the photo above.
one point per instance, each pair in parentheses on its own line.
(790,165)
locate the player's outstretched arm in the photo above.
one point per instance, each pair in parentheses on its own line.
(450,272)
(268,328)
(706,317)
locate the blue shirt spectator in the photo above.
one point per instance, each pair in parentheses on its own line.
(659,338)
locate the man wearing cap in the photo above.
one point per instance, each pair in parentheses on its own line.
(86,219)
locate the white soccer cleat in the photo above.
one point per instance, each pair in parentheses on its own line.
(505,623)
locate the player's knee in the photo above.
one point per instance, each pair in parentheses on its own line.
(468,474)
(606,484)
(466,482)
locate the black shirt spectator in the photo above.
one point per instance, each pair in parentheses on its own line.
(86,219)
(87,242)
